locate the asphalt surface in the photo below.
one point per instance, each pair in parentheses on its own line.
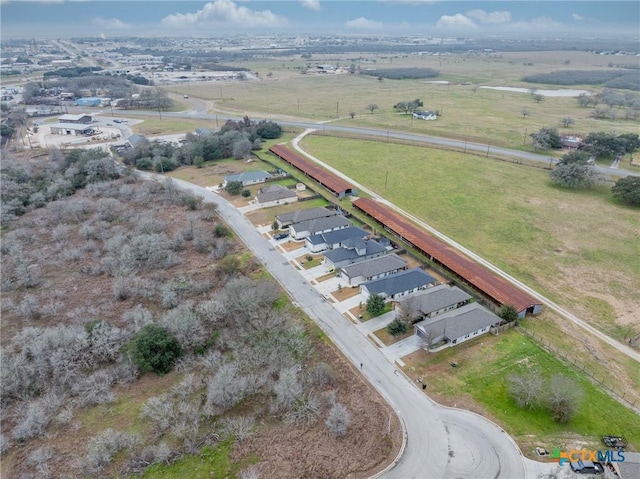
(442,442)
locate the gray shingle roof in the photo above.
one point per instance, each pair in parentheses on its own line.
(459,322)
(399,282)
(437,298)
(343,254)
(374,266)
(273,193)
(321,224)
(248,176)
(338,236)
(304,215)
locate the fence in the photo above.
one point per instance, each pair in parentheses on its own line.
(599,379)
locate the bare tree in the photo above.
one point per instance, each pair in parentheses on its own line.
(538,97)
(567,121)
(338,420)
(526,389)
(564,397)
(525,112)
(372,107)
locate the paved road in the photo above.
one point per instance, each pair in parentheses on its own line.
(200,107)
(442,442)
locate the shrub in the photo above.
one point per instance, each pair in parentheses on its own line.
(375,305)
(154,348)
(233,187)
(246,193)
(338,420)
(397,327)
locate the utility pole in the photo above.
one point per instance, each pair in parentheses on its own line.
(337,109)
(524,141)
(488,146)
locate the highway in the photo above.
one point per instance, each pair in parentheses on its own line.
(442,442)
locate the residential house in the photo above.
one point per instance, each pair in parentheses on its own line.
(274,195)
(456,326)
(319,225)
(353,251)
(370,269)
(425,115)
(398,285)
(287,219)
(248,177)
(333,239)
(434,301)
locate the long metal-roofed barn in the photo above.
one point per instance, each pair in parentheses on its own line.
(496,288)
(333,183)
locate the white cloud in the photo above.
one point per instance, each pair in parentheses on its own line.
(489,17)
(111,23)
(455,21)
(577,17)
(362,23)
(225,12)
(311,4)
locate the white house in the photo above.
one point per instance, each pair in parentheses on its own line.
(319,225)
(248,178)
(456,326)
(434,301)
(398,285)
(370,269)
(274,195)
(425,115)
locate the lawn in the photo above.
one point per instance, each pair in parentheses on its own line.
(579,248)
(482,368)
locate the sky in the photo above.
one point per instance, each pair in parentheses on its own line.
(557,18)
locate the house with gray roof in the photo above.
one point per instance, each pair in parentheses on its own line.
(333,239)
(374,268)
(398,285)
(353,251)
(319,225)
(273,195)
(457,326)
(434,301)
(287,219)
(248,177)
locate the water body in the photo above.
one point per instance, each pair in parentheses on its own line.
(561,92)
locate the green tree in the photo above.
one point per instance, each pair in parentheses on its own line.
(397,327)
(576,171)
(246,193)
(375,305)
(546,138)
(508,313)
(154,348)
(234,187)
(604,145)
(268,130)
(627,189)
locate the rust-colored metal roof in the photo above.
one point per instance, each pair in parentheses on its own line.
(328,180)
(475,274)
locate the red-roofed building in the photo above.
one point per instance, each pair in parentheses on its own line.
(499,290)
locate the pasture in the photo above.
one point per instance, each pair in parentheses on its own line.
(468,112)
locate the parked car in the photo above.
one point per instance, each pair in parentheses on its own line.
(615,442)
(280,236)
(587,467)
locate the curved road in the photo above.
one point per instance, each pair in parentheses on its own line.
(442,442)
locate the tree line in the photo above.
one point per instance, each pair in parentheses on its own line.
(621,78)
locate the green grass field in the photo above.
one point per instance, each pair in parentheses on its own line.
(580,248)
(483,366)
(471,113)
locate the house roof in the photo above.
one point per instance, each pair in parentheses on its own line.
(484,280)
(434,299)
(70,126)
(372,267)
(330,181)
(338,236)
(458,322)
(399,282)
(321,224)
(246,176)
(72,117)
(304,215)
(273,193)
(341,254)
